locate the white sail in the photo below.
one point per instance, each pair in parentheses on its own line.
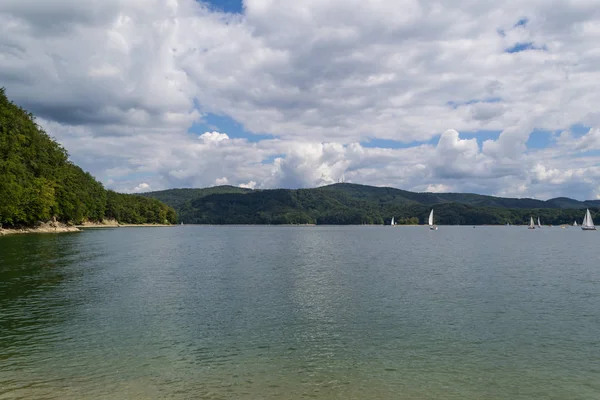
(539,224)
(392,222)
(588,222)
(531,223)
(431,218)
(574,223)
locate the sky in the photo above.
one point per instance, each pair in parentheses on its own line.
(498,98)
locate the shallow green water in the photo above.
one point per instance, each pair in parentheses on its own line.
(303,312)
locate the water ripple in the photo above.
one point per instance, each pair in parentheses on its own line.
(296,313)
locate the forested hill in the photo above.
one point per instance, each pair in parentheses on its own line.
(346,203)
(388,194)
(39,183)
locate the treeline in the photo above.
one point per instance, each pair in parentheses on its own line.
(279,206)
(461,214)
(339,206)
(132,209)
(39,183)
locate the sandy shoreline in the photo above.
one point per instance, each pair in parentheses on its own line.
(46,227)
(59,227)
(101,226)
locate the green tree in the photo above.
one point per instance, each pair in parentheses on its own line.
(39,183)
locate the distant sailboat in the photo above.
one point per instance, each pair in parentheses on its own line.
(431,225)
(531,224)
(181,222)
(392,223)
(539,224)
(574,223)
(588,222)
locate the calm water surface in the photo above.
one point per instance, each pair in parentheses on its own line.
(301,312)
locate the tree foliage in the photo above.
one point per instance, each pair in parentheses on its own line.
(343,204)
(39,183)
(132,209)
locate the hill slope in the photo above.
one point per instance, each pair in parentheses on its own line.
(39,183)
(176,198)
(346,203)
(387,194)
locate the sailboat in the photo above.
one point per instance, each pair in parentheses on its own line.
(539,224)
(574,223)
(531,224)
(588,222)
(392,223)
(431,225)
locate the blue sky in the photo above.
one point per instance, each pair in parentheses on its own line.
(230,6)
(235,130)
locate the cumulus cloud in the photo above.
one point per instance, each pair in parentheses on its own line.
(589,141)
(142,187)
(120,82)
(308,164)
(457,158)
(248,185)
(213,137)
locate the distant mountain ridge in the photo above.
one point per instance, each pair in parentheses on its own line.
(429,198)
(348,203)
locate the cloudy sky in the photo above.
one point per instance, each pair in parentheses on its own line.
(495,97)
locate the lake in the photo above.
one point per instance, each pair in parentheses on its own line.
(266,312)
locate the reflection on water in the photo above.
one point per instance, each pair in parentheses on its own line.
(30,271)
(294,313)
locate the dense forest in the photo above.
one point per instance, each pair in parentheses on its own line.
(39,183)
(346,203)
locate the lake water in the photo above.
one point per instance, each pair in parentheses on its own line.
(301,312)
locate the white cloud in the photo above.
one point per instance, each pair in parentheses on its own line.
(438,188)
(457,158)
(552,175)
(248,185)
(142,187)
(221,181)
(589,141)
(308,164)
(120,82)
(213,137)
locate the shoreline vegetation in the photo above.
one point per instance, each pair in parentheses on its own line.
(43,191)
(355,204)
